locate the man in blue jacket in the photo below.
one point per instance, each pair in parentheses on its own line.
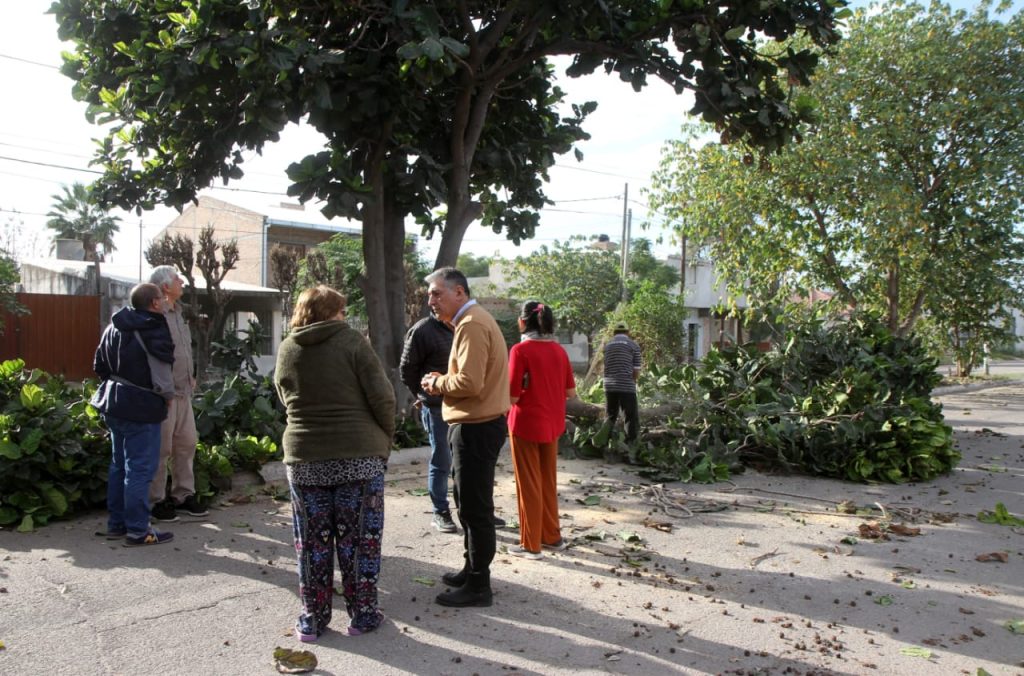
(133,361)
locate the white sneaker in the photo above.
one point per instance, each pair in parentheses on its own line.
(559,546)
(525,553)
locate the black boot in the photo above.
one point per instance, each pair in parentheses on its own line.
(475,593)
(455,579)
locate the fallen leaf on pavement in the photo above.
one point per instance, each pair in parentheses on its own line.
(1000,516)
(294,661)
(1000,557)
(872,531)
(1015,626)
(590,500)
(884,600)
(847,507)
(915,651)
(900,529)
(663,526)
(426,581)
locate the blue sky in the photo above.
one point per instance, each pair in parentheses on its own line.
(45,138)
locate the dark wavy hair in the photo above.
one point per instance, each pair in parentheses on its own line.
(538,317)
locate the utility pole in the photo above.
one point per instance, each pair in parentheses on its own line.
(622,248)
(682,273)
(140,251)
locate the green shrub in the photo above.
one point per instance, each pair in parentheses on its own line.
(238,406)
(846,399)
(54,450)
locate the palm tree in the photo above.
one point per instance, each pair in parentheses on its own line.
(75,216)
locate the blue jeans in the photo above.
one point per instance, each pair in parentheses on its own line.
(440,457)
(136,452)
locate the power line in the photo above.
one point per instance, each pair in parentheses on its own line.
(34,63)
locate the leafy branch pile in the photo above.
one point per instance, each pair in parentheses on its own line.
(54,451)
(847,400)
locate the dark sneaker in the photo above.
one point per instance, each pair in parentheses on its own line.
(164,511)
(499,522)
(192,507)
(442,521)
(111,534)
(150,538)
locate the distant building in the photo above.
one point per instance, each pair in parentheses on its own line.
(256,229)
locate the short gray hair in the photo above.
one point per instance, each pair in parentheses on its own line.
(451,278)
(162,274)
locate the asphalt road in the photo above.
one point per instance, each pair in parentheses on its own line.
(761,576)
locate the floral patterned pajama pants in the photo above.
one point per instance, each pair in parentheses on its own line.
(348,519)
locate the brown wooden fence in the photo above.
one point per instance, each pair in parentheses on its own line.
(59,335)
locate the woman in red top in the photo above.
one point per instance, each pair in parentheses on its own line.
(540,380)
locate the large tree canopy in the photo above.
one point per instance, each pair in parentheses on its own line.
(905,200)
(420,104)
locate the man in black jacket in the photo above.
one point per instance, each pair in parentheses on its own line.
(134,361)
(426,349)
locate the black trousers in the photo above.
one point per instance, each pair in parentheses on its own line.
(475,448)
(630,410)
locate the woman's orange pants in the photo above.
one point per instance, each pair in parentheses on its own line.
(537,490)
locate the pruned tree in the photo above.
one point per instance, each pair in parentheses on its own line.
(186,256)
(284,273)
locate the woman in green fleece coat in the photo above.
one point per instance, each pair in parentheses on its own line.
(341,418)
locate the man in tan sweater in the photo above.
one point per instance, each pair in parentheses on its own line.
(476,397)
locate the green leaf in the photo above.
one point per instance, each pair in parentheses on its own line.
(27,524)
(628,536)
(735,33)
(54,498)
(9,449)
(884,600)
(418,491)
(32,397)
(8,516)
(1015,626)
(425,581)
(590,500)
(30,443)
(914,651)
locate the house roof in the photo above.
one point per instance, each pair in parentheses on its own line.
(289,214)
(129,275)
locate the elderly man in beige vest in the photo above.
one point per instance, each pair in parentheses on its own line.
(178,433)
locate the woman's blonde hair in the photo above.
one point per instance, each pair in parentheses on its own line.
(317,304)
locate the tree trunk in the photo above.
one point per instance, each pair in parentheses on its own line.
(461,213)
(383,240)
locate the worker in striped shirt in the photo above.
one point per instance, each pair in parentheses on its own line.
(621,370)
